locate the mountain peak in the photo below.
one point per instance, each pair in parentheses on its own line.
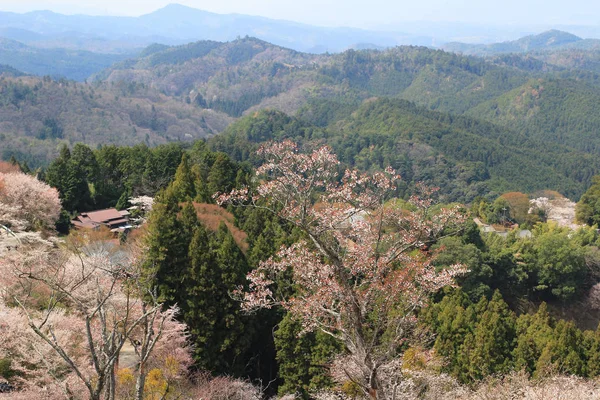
(564,37)
(176,9)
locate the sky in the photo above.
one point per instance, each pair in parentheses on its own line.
(355,13)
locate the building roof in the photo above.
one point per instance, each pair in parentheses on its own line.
(110,217)
(102,215)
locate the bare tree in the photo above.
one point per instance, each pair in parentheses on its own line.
(108,306)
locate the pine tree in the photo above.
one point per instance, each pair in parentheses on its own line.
(168,242)
(217,268)
(302,359)
(183,184)
(493,340)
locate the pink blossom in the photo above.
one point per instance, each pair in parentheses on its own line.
(364,269)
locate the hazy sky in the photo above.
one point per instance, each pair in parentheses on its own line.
(359,13)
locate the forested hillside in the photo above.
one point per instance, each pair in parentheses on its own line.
(38,114)
(244,221)
(197,90)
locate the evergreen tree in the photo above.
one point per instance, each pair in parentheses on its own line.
(588,207)
(217,268)
(533,334)
(302,359)
(166,258)
(593,353)
(492,340)
(221,177)
(568,351)
(123,201)
(452,320)
(183,185)
(65,175)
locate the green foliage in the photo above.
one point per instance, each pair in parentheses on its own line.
(588,207)
(488,348)
(168,240)
(69,178)
(6,371)
(217,268)
(183,184)
(483,339)
(555,263)
(303,358)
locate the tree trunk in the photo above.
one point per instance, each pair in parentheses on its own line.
(140,382)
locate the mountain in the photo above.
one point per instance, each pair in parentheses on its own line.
(7,70)
(177,24)
(249,74)
(549,40)
(488,117)
(552,49)
(72,64)
(38,114)
(463,156)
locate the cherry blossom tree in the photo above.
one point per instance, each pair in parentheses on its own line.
(27,203)
(363,269)
(77,311)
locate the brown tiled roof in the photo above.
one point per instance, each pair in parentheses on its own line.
(93,219)
(102,215)
(113,222)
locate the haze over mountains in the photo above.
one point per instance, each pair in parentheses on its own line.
(177,24)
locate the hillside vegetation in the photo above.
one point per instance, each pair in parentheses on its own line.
(448,116)
(37,115)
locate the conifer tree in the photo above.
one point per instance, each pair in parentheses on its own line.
(183,184)
(452,320)
(167,254)
(568,348)
(221,177)
(492,340)
(533,334)
(217,268)
(303,359)
(66,175)
(593,356)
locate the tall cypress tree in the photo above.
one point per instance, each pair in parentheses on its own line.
(533,334)
(217,268)
(221,177)
(168,240)
(303,359)
(183,183)
(66,175)
(593,355)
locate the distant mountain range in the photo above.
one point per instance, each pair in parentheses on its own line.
(78,46)
(177,24)
(547,41)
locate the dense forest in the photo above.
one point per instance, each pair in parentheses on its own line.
(466,124)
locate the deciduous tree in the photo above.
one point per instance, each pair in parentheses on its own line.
(359,274)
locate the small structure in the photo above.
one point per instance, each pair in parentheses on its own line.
(116,221)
